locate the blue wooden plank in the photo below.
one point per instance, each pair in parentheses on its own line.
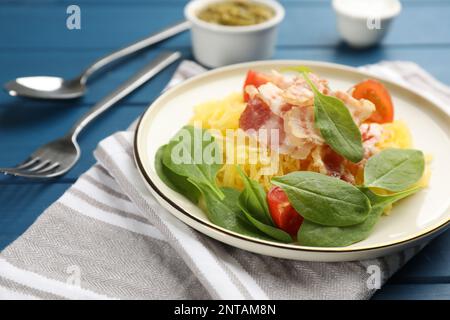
(112,26)
(159,2)
(165,2)
(432,265)
(68,64)
(428,57)
(414,292)
(177,2)
(24,129)
(102,25)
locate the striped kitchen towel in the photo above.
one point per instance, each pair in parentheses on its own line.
(108,238)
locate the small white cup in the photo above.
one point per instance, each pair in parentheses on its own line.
(216,45)
(363,23)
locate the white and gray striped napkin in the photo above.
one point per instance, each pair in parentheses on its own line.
(107,238)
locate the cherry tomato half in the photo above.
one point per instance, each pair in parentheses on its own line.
(283,214)
(377,93)
(254,78)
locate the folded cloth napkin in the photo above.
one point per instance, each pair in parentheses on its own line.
(108,238)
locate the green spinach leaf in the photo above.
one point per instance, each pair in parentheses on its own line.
(253,204)
(174,181)
(316,235)
(271,231)
(187,155)
(253,199)
(161,169)
(384,200)
(336,125)
(394,169)
(324,200)
(227,214)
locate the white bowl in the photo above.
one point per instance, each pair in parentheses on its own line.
(363,23)
(216,45)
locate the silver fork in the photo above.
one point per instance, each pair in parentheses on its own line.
(59,156)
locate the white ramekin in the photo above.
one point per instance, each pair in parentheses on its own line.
(364,29)
(215,45)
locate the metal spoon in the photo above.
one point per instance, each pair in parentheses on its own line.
(59,156)
(45,87)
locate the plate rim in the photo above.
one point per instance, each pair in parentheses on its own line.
(428,232)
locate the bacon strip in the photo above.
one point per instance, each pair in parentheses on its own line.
(360,110)
(255,115)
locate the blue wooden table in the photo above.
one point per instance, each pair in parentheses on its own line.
(34,40)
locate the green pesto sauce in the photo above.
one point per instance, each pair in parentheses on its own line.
(236,13)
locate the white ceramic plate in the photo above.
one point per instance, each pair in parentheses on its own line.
(412,221)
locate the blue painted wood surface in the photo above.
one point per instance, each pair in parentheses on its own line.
(35,41)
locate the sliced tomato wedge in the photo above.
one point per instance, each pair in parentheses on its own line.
(256,79)
(377,93)
(283,214)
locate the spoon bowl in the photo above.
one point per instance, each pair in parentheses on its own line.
(44,87)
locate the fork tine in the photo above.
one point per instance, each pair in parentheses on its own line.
(16,172)
(48,168)
(28,163)
(25,173)
(41,165)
